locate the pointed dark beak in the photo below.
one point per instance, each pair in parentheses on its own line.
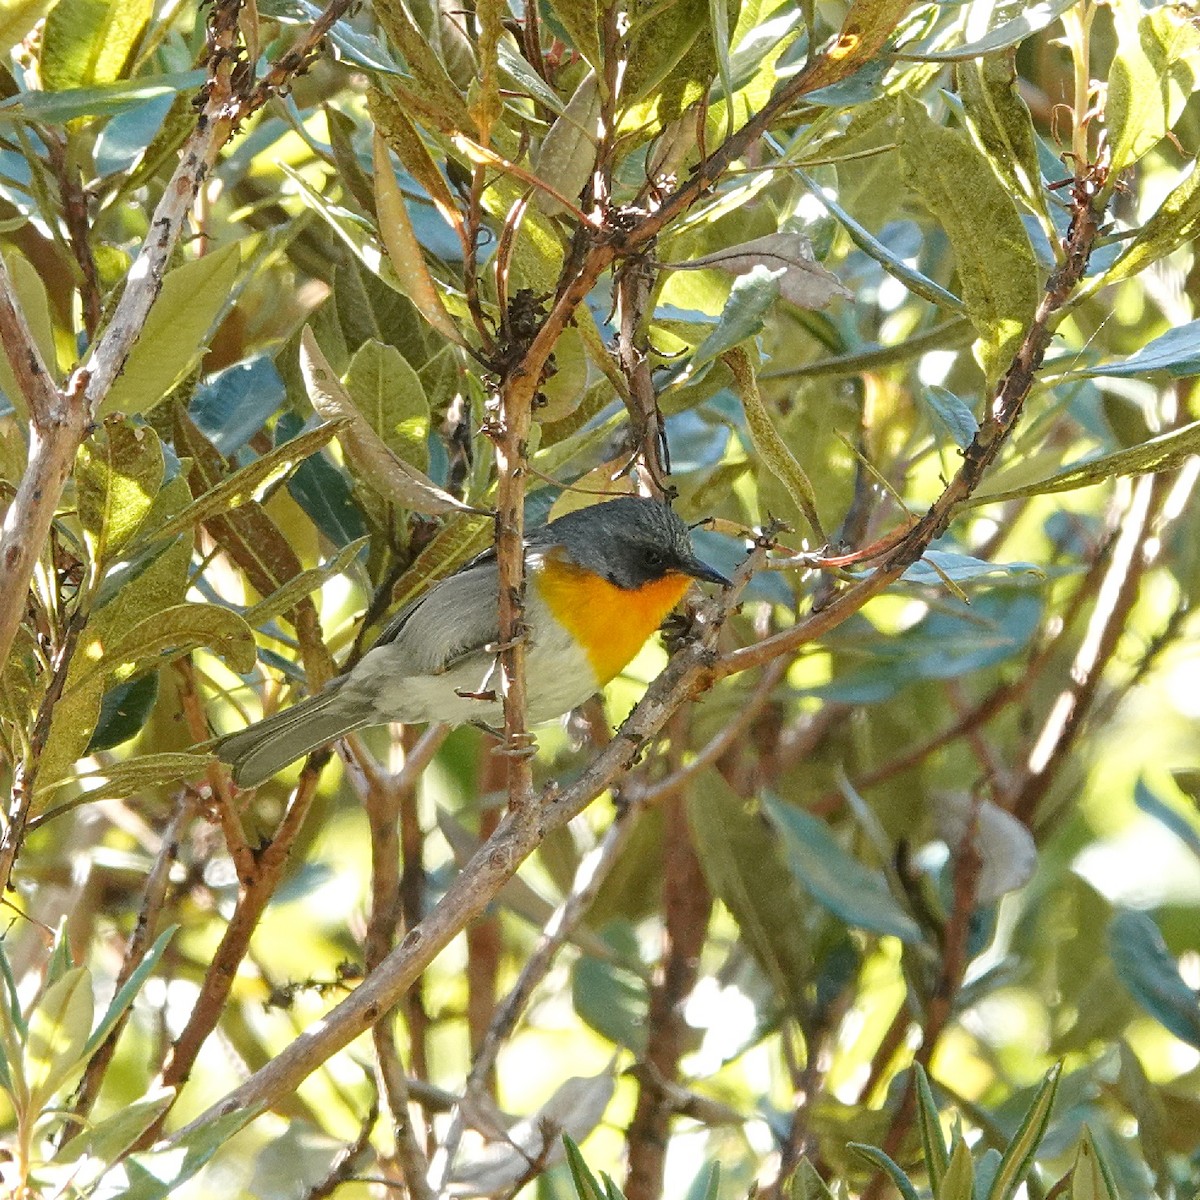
(700,570)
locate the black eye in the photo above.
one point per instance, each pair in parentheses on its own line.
(653,558)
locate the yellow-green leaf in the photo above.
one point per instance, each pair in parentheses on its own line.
(118,472)
(89,42)
(35,304)
(193,297)
(58,1031)
(996,265)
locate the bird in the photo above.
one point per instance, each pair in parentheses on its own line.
(599,581)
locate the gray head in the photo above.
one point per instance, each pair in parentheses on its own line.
(630,541)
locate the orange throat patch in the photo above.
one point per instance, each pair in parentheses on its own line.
(610,624)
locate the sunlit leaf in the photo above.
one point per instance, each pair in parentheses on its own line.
(192,298)
(995,261)
(87,42)
(58,1031)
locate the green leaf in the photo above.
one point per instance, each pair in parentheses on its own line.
(291,593)
(885,1163)
(1175,223)
(937,1161)
(87,42)
(587,1186)
(17,18)
(1153,74)
(893,264)
(58,1032)
(567,156)
(746,866)
(192,299)
(773,451)
(118,472)
(1147,969)
(611,999)
(124,711)
(1019,1154)
(953,413)
(113,1136)
(1090,1177)
(133,775)
(166,635)
(995,261)
(35,304)
(749,301)
(1167,816)
(59,108)
(582,21)
(1161,453)
(247,484)
(155,1174)
(1010,33)
(1177,352)
(126,995)
(806,1184)
(388,392)
(958,1179)
(1000,123)
(851,891)
(936,566)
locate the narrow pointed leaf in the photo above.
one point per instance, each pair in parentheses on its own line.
(1019,1154)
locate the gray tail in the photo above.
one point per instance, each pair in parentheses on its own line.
(260,750)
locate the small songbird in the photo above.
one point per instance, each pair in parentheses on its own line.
(600,581)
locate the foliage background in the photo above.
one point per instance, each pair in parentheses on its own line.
(955,826)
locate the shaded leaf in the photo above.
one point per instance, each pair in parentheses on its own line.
(745,865)
(937,1160)
(1147,969)
(877,1158)
(850,890)
(806,1184)
(234,404)
(953,413)
(59,108)
(1162,812)
(133,775)
(995,261)
(124,711)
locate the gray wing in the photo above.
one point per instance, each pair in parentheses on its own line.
(455,617)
